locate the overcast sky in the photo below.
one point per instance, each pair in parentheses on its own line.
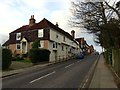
(16,13)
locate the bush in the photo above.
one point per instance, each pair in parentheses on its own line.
(6,58)
(17,57)
(36,44)
(37,55)
(108,56)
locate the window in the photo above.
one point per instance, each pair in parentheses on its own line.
(64,38)
(40,33)
(55,45)
(62,48)
(18,36)
(56,36)
(18,46)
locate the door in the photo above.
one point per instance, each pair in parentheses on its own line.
(24,47)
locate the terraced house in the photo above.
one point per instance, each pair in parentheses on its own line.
(60,43)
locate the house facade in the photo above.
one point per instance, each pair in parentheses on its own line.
(86,49)
(60,43)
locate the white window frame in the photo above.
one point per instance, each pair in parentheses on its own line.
(17,45)
(40,33)
(55,44)
(18,36)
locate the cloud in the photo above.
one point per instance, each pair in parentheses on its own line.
(16,13)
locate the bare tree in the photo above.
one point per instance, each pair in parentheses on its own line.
(97,18)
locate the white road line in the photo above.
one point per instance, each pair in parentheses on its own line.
(86,80)
(84,85)
(69,65)
(43,76)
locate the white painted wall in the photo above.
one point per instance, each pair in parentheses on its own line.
(42,43)
(60,43)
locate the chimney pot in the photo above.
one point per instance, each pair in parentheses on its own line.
(73,33)
(57,24)
(31,20)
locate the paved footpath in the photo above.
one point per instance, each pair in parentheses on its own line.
(102,77)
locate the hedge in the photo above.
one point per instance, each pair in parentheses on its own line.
(37,55)
(6,58)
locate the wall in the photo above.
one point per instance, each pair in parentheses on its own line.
(116,60)
(13,49)
(56,37)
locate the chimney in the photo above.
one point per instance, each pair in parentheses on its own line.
(31,20)
(57,24)
(73,33)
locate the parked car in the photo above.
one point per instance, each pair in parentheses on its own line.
(96,53)
(80,56)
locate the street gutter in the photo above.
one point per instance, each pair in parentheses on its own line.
(87,79)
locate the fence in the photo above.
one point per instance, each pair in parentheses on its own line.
(64,58)
(116,60)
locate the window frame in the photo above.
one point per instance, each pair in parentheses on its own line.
(55,45)
(17,46)
(18,36)
(40,33)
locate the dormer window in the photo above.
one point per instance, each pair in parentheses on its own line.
(18,36)
(40,33)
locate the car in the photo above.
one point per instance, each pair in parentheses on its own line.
(96,53)
(80,56)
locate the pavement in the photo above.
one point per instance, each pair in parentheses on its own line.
(102,77)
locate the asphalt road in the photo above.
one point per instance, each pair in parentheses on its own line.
(69,74)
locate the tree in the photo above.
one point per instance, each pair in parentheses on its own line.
(36,44)
(99,18)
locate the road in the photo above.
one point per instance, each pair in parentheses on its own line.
(69,74)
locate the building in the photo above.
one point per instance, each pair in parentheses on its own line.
(86,49)
(60,43)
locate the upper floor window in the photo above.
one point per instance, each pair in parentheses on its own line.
(40,33)
(18,36)
(57,36)
(64,38)
(62,48)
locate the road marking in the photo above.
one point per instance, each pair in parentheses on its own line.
(43,76)
(84,85)
(87,80)
(69,65)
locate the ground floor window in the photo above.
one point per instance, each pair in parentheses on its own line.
(18,46)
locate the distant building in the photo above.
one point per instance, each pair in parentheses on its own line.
(86,49)
(60,43)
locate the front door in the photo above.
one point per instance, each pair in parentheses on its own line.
(24,47)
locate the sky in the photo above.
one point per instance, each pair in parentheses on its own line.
(16,13)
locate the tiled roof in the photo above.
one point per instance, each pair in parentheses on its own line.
(42,24)
(6,43)
(23,28)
